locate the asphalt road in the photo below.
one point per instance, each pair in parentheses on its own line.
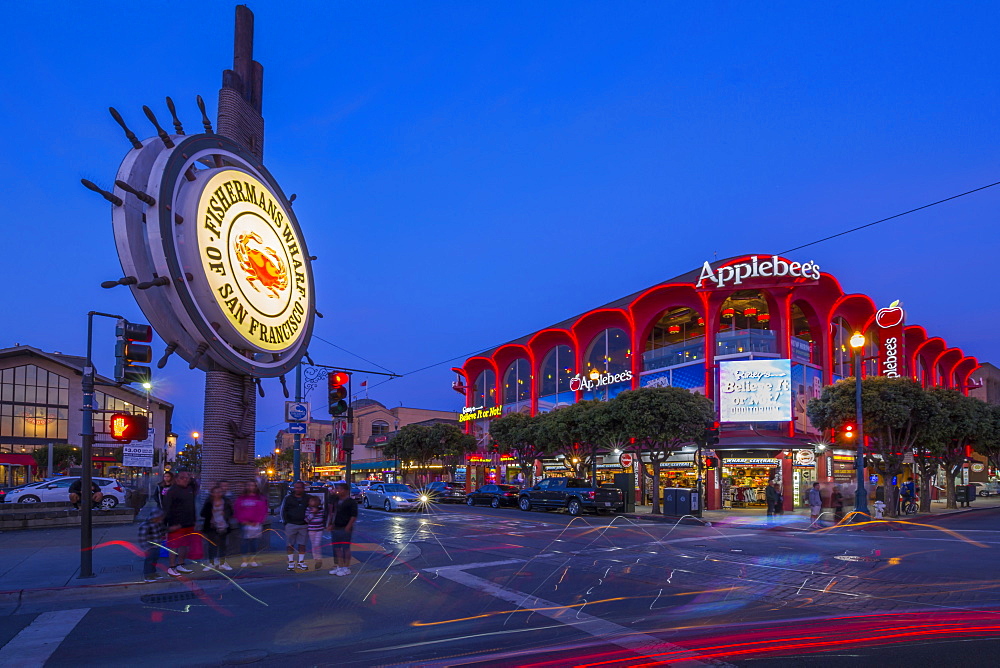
(462,586)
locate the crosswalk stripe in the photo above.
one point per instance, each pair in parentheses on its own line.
(36,642)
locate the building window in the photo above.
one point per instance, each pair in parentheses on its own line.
(803,343)
(745,326)
(841,334)
(678,337)
(484,392)
(557,369)
(517,382)
(609,353)
(34,403)
(380,428)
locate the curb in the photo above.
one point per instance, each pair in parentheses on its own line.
(690,520)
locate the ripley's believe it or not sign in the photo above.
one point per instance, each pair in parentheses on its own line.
(231,277)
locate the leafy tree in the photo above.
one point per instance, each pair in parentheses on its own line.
(190,458)
(964,421)
(452,444)
(64,457)
(988,444)
(567,431)
(661,420)
(518,434)
(897,414)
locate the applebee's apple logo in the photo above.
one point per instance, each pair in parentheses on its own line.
(575,383)
(891,316)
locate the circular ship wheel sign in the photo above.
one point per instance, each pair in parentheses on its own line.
(239,286)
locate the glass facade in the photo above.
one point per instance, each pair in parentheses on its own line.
(558,367)
(517,386)
(34,408)
(677,338)
(609,352)
(484,392)
(745,326)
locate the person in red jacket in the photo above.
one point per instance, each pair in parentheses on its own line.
(250,510)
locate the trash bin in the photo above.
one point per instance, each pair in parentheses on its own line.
(669,501)
(962,495)
(626,483)
(971,494)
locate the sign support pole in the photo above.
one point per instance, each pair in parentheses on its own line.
(297,438)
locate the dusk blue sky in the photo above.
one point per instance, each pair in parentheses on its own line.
(470,172)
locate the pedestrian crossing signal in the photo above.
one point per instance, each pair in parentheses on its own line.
(125,427)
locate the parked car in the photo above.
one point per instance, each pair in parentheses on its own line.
(986,488)
(57,489)
(442,491)
(356,493)
(574,494)
(495,495)
(392,496)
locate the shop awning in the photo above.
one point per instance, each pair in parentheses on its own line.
(367,466)
(18,460)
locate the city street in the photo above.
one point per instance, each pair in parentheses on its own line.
(464,586)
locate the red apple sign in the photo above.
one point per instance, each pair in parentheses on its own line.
(574,383)
(890,317)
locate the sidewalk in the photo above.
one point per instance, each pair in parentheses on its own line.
(793,520)
(47,562)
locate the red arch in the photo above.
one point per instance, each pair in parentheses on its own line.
(928,352)
(963,371)
(944,365)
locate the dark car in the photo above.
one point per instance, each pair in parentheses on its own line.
(443,491)
(574,494)
(495,495)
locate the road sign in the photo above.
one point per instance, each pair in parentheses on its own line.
(139,453)
(625,459)
(296,428)
(307,445)
(297,411)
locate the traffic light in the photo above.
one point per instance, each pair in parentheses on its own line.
(847,432)
(496,447)
(711,435)
(338,392)
(129,348)
(125,427)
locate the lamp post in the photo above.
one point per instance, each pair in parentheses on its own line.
(861,493)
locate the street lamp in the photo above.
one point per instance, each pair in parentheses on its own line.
(860,494)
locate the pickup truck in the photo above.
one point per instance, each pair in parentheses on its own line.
(574,494)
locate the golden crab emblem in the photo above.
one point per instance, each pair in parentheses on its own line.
(265,271)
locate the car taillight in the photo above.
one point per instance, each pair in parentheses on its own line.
(118,489)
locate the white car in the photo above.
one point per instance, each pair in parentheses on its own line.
(392,496)
(57,489)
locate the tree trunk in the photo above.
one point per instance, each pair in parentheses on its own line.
(891,501)
(925,492)
(949,490)
(656,485)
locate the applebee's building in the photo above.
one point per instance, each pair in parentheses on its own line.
(760,335)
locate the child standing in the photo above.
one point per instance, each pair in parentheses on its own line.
(316,522)
(152,535)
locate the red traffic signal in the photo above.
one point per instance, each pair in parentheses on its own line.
(337,393)
(339,379)
(125,427)
(848,431)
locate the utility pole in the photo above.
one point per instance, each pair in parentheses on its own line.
(87,452)
(297,438)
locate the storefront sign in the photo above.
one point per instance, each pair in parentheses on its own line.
(773,267)
(891,321)
(751,463)
(755,391)
(233,277)
(978,467)
(626,459)
(479,413)
(805,457)
(585,382)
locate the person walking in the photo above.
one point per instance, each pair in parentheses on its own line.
(161,487)
(341,524)
(250,510)
(180,517)
(152,534)
(771,497)
(837,503)
(216,515)
(316,523)
(293,514)
(815,500)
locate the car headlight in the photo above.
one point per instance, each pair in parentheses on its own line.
(397,498)
(424,499)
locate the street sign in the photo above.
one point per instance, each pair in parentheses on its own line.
(296,428)
(625,459)
(139,453)
(297,411)
(307,445)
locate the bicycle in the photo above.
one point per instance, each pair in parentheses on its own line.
(910,507)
